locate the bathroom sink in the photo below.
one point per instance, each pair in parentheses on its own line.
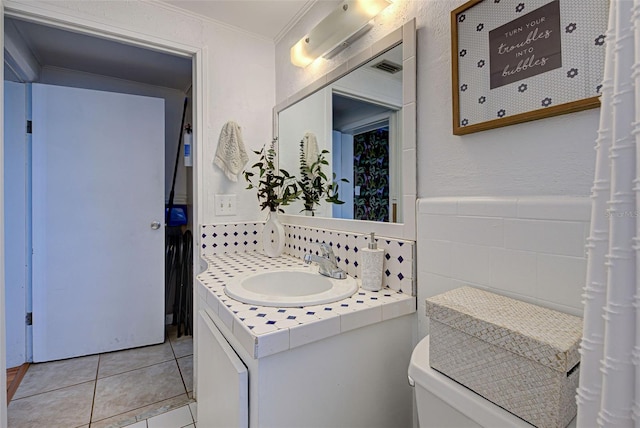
(289,288)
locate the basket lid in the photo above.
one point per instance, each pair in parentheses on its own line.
(549,337)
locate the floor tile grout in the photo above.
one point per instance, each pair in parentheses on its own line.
(95,399)
(51,390)
(95,388)
(142,407)
(137,368)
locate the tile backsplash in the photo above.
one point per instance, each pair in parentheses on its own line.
(528,248)
(398,269)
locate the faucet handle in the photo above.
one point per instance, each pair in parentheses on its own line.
(327,251)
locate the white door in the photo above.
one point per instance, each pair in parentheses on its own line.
(98,185)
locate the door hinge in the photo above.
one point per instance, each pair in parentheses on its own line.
(29,318)
(29,126)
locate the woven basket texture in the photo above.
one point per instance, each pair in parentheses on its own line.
(549,337)
(519,356)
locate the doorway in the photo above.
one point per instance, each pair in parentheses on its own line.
(179,50)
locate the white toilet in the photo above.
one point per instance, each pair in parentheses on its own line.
(444,403)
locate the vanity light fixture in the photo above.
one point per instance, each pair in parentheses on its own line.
(349,19)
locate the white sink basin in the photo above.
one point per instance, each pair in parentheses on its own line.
(289,288)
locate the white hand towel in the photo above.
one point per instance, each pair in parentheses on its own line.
(310,148)
(231,155)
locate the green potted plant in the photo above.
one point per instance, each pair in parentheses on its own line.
(275,188)
(314,184)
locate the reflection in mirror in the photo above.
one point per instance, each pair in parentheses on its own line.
(357,120)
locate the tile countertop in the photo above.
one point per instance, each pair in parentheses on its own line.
(264,330)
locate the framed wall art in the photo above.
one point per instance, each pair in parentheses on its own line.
(519,60)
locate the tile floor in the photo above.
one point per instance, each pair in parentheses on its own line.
(148,387)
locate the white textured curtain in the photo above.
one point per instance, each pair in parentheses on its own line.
(609,391)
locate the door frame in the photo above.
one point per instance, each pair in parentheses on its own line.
(198,54)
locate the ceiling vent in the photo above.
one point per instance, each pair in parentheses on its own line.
(387,66)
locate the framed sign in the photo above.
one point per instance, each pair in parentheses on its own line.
(519,60)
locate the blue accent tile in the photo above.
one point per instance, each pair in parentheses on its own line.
(387,272)
(400,259)
(311,313)
(387,256)
(261,315)
(328,309)
(400,276)
(344,305)
(291,317)
(271,322)
(282,310)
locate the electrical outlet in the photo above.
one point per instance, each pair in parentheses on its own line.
(225,204)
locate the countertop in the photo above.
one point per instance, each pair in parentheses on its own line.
(264,330)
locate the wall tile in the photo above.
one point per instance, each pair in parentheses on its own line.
(437,227)
(471,263)
(555,208)
(398,270)
(444,206)
(488,207)
(513,270)
(230,237)
(435,256)
(552,237)
(479,230)
(561,279)
(540,259)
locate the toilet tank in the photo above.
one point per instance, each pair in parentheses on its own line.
(444,403)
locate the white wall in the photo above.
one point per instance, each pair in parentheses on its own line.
(173,102)
(548,157)
(15,190)
(552,156)
(238,84)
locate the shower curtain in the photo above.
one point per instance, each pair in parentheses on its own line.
(609,391)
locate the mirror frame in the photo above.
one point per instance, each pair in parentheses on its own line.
(406,230)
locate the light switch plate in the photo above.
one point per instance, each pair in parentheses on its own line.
(225,204)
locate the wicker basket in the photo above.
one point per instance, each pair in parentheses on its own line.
(519,356)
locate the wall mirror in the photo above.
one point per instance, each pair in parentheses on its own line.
(363,115)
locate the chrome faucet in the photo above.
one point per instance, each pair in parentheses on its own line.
(327,264)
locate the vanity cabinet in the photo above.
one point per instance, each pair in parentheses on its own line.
(223,379)
(353,379)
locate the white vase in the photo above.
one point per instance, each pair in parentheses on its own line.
(273,236)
